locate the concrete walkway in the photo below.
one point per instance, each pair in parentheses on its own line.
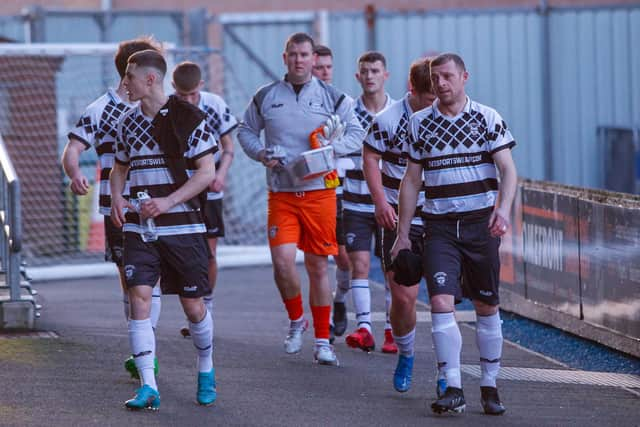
(70,374)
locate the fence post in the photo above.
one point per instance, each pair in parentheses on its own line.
(198,24)
(34,17)
(370,17)
(547,117)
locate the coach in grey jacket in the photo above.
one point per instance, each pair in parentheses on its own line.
(301,212)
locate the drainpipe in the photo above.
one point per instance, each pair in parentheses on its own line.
(370,16)
(547,117)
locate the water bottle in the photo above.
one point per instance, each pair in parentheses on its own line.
(148,225)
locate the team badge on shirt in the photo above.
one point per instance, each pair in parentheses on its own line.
(474,129)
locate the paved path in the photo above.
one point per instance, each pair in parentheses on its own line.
(77,379)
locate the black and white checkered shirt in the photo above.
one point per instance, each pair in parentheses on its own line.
(457,157)
(148,171)
(389,136)
(220,121)
(356,194)
(97,128)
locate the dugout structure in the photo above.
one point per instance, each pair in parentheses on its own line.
(44,88)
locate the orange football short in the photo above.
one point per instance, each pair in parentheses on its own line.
(305,218)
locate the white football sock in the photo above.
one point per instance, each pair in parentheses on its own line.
(125,305)
(156,305)
(208,301)
(362,302)
(489,341)
(387,303)
(143,348)
(447,343)
(406,343)
(202,336)
(322,342)
(342,284)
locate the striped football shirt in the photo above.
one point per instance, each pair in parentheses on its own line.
(220,121)
(97,128)
(388,137)
(456,154)
(148,171)
(356,195)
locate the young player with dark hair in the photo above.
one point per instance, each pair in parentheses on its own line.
(188,84)
(97,128)
(323,70)
(359,218)
(384,164)
(168,150)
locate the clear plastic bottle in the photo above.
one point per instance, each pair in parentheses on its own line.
(149,232)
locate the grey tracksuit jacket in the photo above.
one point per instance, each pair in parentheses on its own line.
(288,118)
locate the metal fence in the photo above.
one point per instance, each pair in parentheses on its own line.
(45,89)
(556,75)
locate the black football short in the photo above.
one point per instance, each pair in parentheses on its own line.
(389,237)
(339,221)
(181,260)
(113,242)
(462,255)
(359,229)
(213,218)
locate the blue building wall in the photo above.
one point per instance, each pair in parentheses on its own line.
(593,64)
(593,57)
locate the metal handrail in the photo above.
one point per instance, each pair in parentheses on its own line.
(11,218)
(11,223)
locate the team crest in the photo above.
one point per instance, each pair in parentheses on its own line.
(129,270)
(117,251)
(351,237)
(474,129)
(273,230)
(441,278)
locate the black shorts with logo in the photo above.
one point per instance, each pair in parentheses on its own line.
(389,237)
(461,254)
(359,228)
(213,219)
(181,261)
(113,242)
(339,221)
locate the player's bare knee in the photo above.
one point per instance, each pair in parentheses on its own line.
(194,309)
(360,268)
(403,300)
(283,273)
(314,265)
(283,267)
(342,261)
(442,303)
(484,309)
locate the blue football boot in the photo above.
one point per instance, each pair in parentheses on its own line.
(207,388)
(402,375)
(145,398)
(441,387)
